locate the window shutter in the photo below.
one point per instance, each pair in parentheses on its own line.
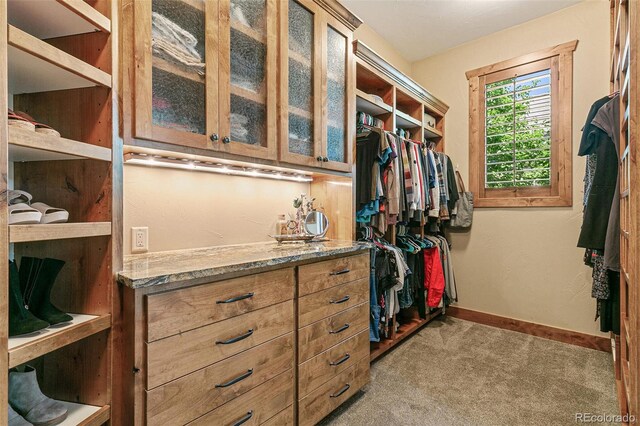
(518,131)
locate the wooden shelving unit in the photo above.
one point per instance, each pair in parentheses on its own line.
(26,348)
(371,105)
(405,330)
(405,121)
(431,132)
(56,62)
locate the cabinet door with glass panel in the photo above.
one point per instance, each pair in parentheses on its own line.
(247,77)
(176,75)
(337,83)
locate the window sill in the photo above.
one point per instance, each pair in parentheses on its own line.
(522,202)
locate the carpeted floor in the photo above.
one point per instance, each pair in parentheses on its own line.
(455,372)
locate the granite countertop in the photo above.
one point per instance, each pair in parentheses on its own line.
(179,265)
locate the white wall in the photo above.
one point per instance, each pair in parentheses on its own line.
(187,209)
(523,263)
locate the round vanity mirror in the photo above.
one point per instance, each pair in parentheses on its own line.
(316,224)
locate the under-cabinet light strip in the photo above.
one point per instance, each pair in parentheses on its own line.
(199,166)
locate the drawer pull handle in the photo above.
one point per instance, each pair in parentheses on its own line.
(345,358)
(235,339)
(235,299)
(336,302)
(236,380)
(244,418)
(340,330)
(344,271)
(341,391)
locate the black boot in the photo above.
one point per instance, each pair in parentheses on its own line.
(37,277)
(21,321)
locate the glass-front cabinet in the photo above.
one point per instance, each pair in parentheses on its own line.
(245,77)
(206,74)
(315,84)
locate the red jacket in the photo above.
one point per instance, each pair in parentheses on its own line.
(433,276)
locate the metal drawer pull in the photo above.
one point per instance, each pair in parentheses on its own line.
(344,271)
(236,298)
(344,299)
(341,391)
(345,358)
(340,330)
(236,380)
(244,419)
(235,339)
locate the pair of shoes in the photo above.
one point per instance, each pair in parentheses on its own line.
(22,212)
(30,307)
(28,405)
(25,121)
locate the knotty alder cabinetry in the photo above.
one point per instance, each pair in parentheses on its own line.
(281,347)
(220,91)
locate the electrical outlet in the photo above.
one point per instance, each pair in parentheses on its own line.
(139,239)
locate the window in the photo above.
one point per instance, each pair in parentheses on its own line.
(520,130)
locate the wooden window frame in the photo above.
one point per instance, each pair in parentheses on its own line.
(560,194)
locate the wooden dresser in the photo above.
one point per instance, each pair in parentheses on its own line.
(277,346)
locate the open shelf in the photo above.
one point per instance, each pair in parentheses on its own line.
(85,415)
(56,18)
(249,32)
(370,104)
(405,330)
(27,145)
(35,66)
(431,132)
(57,231)
(30,346)
(405,121)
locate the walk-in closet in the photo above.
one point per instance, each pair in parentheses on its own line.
(319,212)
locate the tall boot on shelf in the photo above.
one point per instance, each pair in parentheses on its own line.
(28,400)
(21,321)
(16,419)
(37,277)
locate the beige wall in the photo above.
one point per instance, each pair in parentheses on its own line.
(523,263)
(186,209)
(382,47)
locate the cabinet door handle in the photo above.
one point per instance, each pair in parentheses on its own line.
(344,359)
(341,391)
(235,339)
(340,330)
(244,418)
(236,380)
(214,137)
(344,271)
(325,159)
(226,139)
(344,299)
(235,299)
(319,158)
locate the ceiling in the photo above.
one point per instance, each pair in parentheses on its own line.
(421,28)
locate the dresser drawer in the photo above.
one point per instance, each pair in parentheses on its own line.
(195,394)
(315,406)
(178,355)
(322,368)
(323,334)
(316,306)
(182,310)
(256,407)
(283,418)
(322,275)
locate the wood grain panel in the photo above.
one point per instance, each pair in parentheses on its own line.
(182,310)
(316,306)
(321,368)
(175,356)
(283,418)
(315,406)
(320,336)
(191,396)
(261,404)
(322,275)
